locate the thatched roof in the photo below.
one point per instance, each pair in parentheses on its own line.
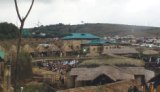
(28,48)
(125,50)
(115,73)
(121,86)
(66,47)
(150,52)
(53,47)
(84,74)
(140,71)
(13,49)
(40,48)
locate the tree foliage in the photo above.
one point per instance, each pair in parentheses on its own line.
(8,31)
(24,67)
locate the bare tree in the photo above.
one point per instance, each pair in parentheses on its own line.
(22,21)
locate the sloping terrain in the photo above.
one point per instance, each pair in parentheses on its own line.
(99,29)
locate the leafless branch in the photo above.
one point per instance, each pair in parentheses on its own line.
(29,10)
(17,10)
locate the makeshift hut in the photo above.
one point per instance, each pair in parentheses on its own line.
(28,48)
(53,50)
(106,74)
(150,52)
(67,49)
(141,74)
(41,50)
(151,57)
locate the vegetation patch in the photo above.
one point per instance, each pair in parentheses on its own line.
(8,31)
(119,61)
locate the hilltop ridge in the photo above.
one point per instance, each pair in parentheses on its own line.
(99,29)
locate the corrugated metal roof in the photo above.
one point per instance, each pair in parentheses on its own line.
(80,36)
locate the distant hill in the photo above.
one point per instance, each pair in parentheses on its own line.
(60,30)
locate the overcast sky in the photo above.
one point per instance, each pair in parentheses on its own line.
(132,12)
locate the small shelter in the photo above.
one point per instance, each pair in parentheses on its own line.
(150,52)
(107,74)
(41,50)
(150,56)
(28,48)
(47,50)
(53,50)
(67,49)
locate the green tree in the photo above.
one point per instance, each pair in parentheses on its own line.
(24,68)
(8,31)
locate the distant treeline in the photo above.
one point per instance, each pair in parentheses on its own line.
(58,30)
(8,31)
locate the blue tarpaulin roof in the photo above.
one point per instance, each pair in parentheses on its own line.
(80,36)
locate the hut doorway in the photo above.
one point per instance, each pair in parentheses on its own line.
(102,79)
(140,79)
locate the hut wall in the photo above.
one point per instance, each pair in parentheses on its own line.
(79,84)
(95,50)
(149,74)
(76,44)
(140,79)
(71,82)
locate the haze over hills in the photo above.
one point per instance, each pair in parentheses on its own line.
(99,29)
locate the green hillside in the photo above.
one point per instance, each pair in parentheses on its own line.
(98,29)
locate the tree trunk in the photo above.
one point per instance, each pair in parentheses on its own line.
(22,21)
